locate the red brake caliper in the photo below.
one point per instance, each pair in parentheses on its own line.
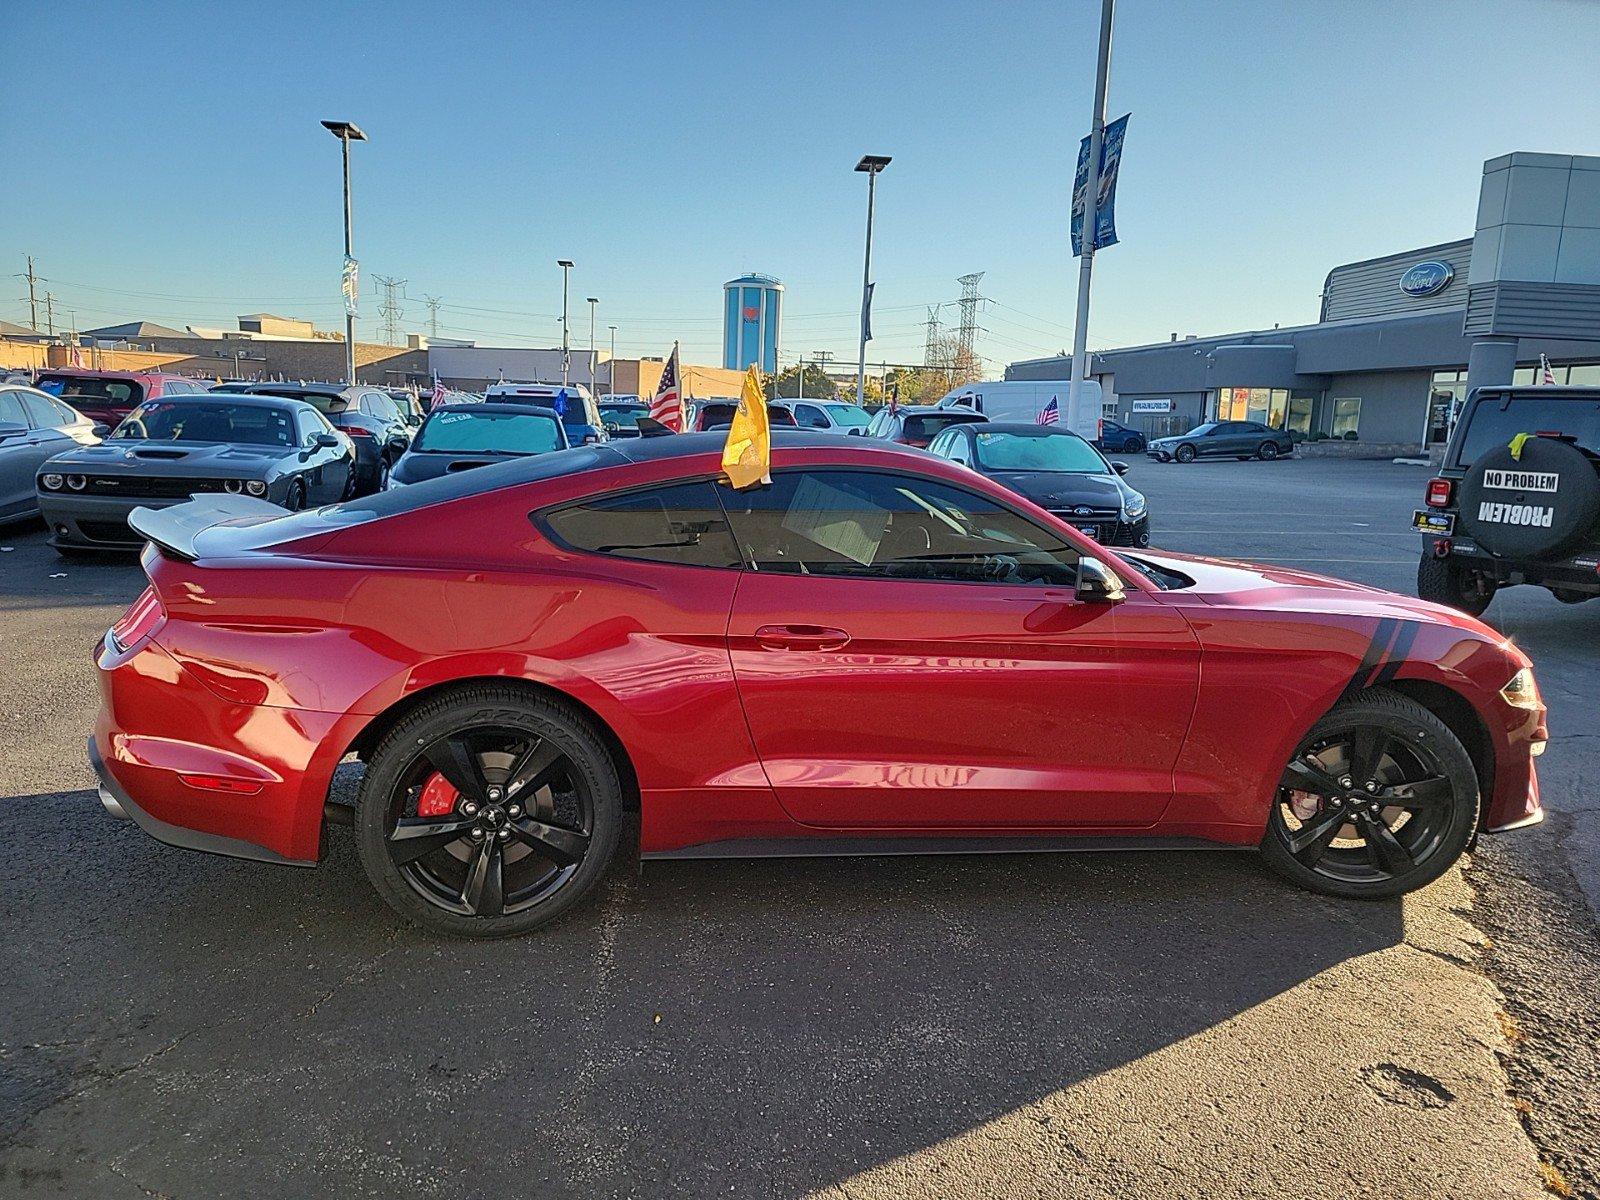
(438,798)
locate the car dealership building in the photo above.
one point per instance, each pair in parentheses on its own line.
(1390,354)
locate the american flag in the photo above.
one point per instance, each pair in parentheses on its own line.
(439,392)
(1050,414)
(1546,375)
(667,407)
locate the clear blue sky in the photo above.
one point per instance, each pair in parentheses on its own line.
(166,162)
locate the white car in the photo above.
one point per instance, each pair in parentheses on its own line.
(836,416)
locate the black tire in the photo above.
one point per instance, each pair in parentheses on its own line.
(563,841)
(1184,453)
(381,480)
(1446,581)
(295,500)
(350,480)
(1409,819)
(1267,451)
(1133,446)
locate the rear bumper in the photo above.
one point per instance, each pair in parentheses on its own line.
(1579,572)
(162,738)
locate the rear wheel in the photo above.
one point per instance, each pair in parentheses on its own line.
(1268,451)
(1134,446)
(1447,581)
(488,812)
(1184,453)
(1379,799)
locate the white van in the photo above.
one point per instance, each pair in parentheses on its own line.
(1025,399)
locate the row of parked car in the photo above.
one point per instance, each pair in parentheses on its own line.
(86,448)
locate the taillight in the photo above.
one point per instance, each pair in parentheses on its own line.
(139,622)
(356,431)
(1439,491)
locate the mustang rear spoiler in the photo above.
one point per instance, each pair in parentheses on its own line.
(174,529)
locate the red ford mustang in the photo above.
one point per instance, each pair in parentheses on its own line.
(881,652)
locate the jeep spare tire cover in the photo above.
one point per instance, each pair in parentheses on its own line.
(1531,505)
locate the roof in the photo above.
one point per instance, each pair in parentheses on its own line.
(1024,428)
(491,406)
(684,445)
(242,399)
(91,373)
(758,280)
(293,390)
(132,329)
(11,329)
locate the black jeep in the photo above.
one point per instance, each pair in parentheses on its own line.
(1517,499)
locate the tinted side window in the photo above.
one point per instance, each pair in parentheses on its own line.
(810,416)
(11,408)
(307,425)
(877,525)
(680,524)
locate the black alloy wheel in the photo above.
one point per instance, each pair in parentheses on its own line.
(1134,446)
(383,475)
(1379,799)
(1184,453)
(488,812)
(296,498)
(349,484)
(1268,451)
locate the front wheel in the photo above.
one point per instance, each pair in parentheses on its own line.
(1184,453)
(1379,799)
(487,812)
(1446,581)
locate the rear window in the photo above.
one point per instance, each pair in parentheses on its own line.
(490,433)
(924,428)
(80,391)
(1495,420)
(323,402)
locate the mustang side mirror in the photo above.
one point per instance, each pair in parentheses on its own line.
(328,441)
(100,429)
(1096,583)
(1121,468)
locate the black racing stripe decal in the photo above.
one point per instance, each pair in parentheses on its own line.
(1381,637)
(1397,655)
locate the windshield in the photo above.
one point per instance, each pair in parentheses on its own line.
(489,433)
(625,415)
(204,421)
(1495,420)
(850,416)
(1064,452)
(74,389)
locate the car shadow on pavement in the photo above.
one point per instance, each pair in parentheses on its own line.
(751,1027)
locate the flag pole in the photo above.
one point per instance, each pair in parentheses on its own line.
(1080,328)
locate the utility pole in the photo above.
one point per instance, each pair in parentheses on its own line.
(50,314)
(33,302)
(871,165)
(433,315)
(594,359)
(346,132)
(822,357)
(611,367)
(566,265)
(1080,328)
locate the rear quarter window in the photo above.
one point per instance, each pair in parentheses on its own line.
(681,524)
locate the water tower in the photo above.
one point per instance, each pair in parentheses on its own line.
(752,309)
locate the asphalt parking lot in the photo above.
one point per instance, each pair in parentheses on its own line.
(1131,1025)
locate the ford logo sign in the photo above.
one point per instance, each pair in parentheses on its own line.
(1082,510)
(1427,278)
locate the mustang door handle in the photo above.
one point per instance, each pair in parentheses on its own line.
(801,637)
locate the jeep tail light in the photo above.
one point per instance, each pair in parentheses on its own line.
(139,622)
(1439,491)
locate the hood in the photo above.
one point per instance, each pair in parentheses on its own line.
(1229,583)
(416,465)
(1056,490)
(175,459)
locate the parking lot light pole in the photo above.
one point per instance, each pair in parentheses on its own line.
(871,164)
(566,341)
(347,132)
(611,367)
(594,360)
(1097,129)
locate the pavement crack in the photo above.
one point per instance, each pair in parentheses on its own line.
(1402,1085)
(354,975)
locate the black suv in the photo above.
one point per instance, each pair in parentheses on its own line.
(1517,499)
(368,416)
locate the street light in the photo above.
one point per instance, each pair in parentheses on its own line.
(566,266)
(611,368)
(347,132)
(594,363)
(871,164)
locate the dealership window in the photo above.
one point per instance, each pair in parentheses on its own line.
(1269,406)
(1346,416)
(1298,417)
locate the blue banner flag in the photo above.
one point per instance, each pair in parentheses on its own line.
(1105,213)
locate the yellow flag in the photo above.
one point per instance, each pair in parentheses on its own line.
(747,454)
(1517,443)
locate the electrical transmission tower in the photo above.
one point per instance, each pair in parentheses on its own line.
(932,352)
(965,360)
(433,315)
(390,310)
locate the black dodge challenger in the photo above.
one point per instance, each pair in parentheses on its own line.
(168,450)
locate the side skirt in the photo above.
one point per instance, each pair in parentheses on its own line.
(849,847)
